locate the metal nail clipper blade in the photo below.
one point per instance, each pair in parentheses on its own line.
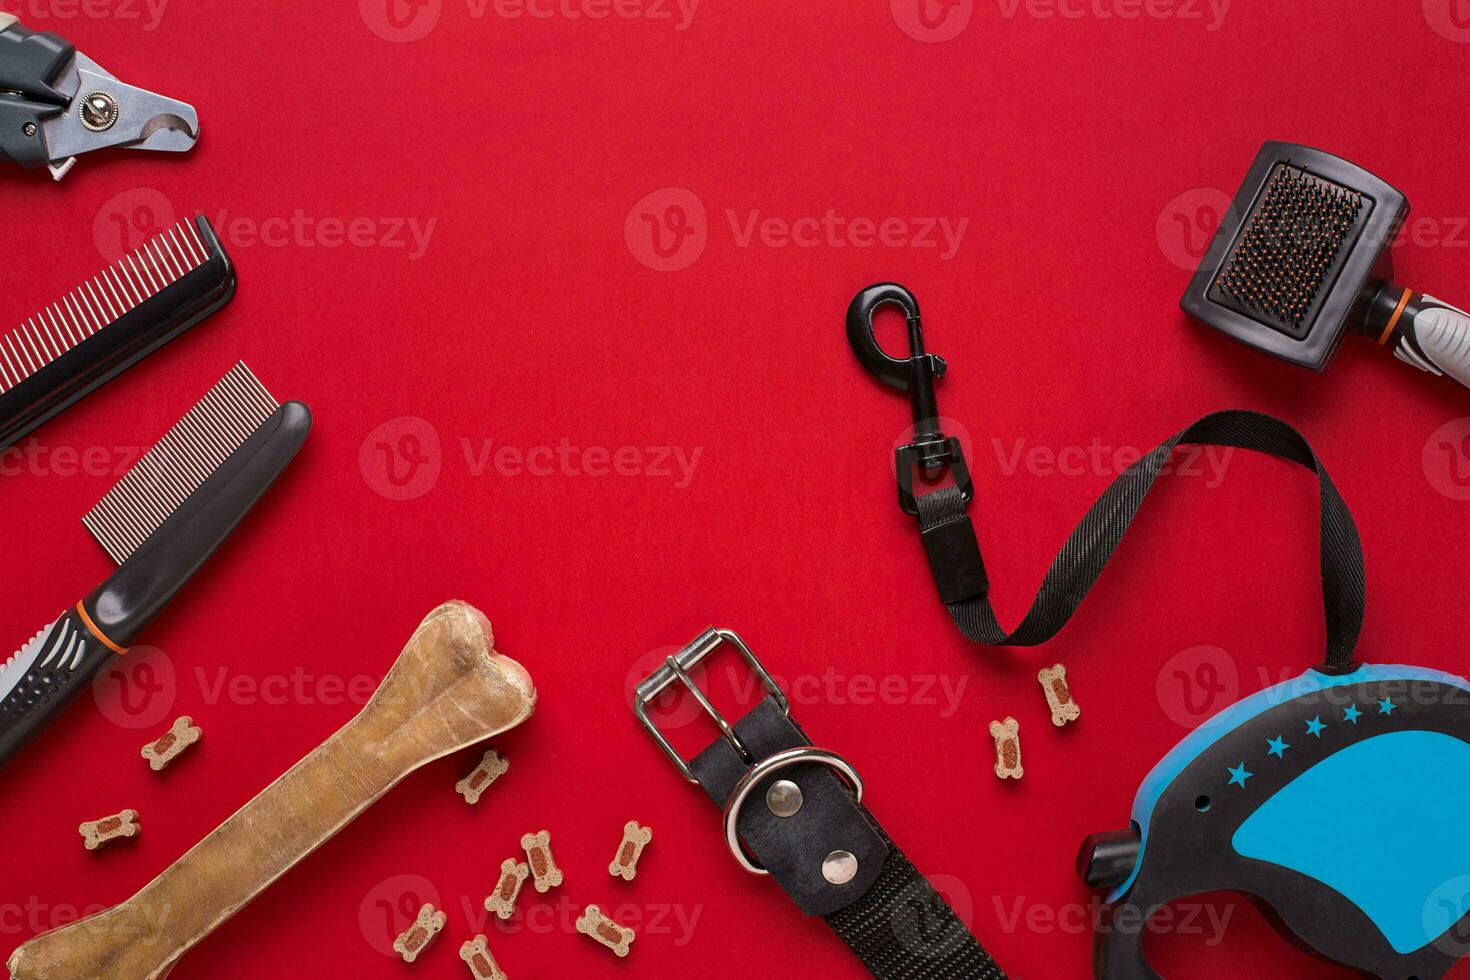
(57,104)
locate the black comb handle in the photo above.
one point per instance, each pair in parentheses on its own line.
(1427,333)
(69,657)
(138,591)
(51,387)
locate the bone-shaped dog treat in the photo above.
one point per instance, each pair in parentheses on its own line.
(1007,735)
(95,833)
(1059,695)
(476,953)
(491,768)
(172,743)
(449,690)
(416,938)
(635,839)
(597,925)
(544,871)
(513,875)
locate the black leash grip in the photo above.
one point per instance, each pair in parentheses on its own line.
(954,557)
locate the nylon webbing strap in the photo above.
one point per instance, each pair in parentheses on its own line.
(902,929)
(1090,546)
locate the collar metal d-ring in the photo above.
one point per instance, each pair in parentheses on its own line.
(767,767)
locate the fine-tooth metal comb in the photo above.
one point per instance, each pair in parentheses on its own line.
(182,460)
(160,523)
(110,322)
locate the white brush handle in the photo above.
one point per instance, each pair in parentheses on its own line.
(1442,334)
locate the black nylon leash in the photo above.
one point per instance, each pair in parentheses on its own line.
(953,548)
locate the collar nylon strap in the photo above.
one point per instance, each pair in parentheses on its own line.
(959,572)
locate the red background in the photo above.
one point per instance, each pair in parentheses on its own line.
(1088,155)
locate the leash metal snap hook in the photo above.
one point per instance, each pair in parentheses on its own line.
(931,450)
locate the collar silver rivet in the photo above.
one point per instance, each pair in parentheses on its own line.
(840,867)
(784,798)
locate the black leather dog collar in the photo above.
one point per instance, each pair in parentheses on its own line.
(794,811)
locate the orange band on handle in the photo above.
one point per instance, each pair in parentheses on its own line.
(1403,302)
(87,621)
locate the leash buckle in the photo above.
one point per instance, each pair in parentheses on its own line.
(931,451)
(676,670)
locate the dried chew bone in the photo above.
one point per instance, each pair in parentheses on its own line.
(597,925)
(491,768)
(1007,735)
(172,743)
(513,875)
(416,938)
(635,839)
(448,690)
(476,954)
(95,833)
(1059,695)
(544,871)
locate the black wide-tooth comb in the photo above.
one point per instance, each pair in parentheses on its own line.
(160,523)
(109,323)
(1303,258)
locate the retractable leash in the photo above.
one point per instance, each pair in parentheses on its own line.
(1336,799)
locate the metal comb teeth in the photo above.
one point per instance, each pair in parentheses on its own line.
(183,459)
(97,303)
(1292,240)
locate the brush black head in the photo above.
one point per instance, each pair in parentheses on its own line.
(1291,264)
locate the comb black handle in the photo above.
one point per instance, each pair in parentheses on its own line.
(1422,331)
(122,343)
(30,65)
(123,606)
(73,656)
